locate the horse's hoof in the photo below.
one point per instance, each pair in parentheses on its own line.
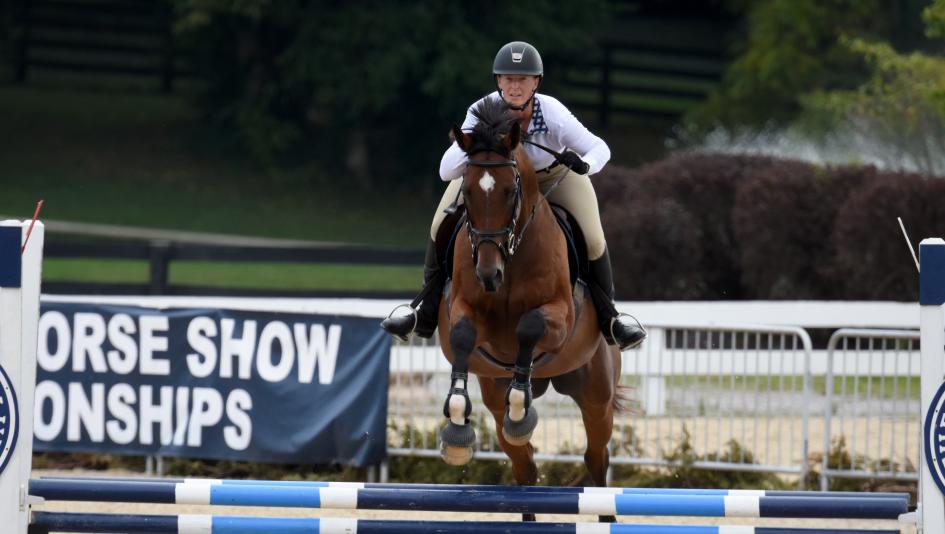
(457,441)
(456,455)
(519,432)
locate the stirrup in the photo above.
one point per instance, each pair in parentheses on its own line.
(413,313)
(614,320)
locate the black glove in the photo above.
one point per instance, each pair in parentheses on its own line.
(574,162)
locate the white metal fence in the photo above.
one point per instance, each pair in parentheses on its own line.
(749,397)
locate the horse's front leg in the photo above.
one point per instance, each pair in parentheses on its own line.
(544,323)
(458,436)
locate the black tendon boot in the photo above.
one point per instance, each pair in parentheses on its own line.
(424,318)
(618,329)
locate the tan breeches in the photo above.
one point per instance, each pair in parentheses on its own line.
(575,194)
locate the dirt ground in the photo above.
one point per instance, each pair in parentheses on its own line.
(168,509)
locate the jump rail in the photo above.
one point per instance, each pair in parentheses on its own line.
(498,488)
(19,312)
(470,501)
(208,524)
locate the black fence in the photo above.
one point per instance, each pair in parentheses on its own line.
(129,43)
(161,253)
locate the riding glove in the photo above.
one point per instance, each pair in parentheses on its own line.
(574,162)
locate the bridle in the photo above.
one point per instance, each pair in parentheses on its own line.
(510,241)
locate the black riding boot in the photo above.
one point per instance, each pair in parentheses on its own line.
(616,331)
(423,321)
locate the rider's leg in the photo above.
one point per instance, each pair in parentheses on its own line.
(576,194)
(433,280)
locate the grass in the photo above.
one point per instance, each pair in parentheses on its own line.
(149,160)
(249,275)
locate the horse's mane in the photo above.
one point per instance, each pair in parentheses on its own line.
(494,123)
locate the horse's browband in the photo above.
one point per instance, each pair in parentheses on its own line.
(490,163)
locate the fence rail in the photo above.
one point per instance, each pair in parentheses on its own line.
(746,397)
(160,254)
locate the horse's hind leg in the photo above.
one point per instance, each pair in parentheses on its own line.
(458,436)
(522,457)
(594,387)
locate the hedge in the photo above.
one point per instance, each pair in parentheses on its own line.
(732,227)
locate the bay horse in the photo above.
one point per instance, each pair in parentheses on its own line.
(514,318)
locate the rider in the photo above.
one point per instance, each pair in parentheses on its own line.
(517,70)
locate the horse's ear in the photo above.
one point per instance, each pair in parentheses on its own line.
(462,139)
(514,137)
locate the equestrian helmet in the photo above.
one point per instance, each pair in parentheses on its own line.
(518,57)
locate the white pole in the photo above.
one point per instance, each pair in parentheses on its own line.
(931,516)
(19,316)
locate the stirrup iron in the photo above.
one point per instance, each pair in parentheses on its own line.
(614,320)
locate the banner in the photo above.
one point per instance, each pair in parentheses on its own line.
(209,383)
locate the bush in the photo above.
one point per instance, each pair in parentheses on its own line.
(871,260)
(715,226)
(669,229)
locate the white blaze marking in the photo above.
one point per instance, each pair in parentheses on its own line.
(487,182)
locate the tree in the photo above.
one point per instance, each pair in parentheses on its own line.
(366,87)
(789,48)
(899,109)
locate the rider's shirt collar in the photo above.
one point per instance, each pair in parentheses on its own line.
(538,119)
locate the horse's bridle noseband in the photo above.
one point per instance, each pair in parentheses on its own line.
(477,237)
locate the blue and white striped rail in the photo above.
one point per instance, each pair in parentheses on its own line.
(499,488)
(207,524)
(467,500)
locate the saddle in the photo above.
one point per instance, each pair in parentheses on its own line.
(578,264)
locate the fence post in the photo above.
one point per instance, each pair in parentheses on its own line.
(160,258)
(167,75)
(23,41)
(603,112)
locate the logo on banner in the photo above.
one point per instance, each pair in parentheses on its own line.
(935,438)
(9,423)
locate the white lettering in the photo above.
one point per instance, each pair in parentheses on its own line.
(275,331)
(89,336)
(159,413)
(150,343)
(53,322)
(83,413)
(237,436)
(47,390)
(125,357)
(318,349)
(242,348)
(183,414)
(124,427)
(199,332)
(207,411)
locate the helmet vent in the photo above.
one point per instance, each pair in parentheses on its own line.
(517,56)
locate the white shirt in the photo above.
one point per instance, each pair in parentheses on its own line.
(552,125)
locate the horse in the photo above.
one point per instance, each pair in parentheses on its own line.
(512,315)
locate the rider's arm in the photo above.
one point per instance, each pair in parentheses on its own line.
(454,159)
(578,138)
(453,163)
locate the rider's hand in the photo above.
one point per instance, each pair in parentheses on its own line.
(574,162)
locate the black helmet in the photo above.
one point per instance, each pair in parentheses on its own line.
(518,57)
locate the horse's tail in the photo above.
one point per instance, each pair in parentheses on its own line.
(621,399)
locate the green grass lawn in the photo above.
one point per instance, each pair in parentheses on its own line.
(251,275)
(148,160)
